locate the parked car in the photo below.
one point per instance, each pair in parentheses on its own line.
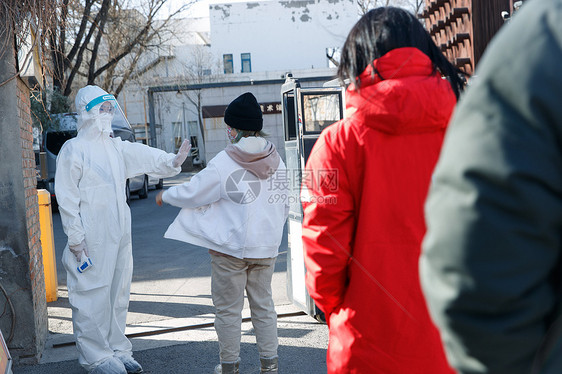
(54,138)
(139,186)
(52,141)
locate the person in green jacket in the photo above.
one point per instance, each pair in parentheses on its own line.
(491,266)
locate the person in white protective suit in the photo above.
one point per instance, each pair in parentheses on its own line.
(90,180)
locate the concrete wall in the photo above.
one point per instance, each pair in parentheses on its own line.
(281,35)
(21,268)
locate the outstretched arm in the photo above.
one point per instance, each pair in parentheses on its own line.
(142,159)
(203,188)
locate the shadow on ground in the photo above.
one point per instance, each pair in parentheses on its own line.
(201,358)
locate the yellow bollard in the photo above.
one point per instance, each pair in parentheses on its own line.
(48,244)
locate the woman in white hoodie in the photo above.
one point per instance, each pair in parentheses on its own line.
(236,207)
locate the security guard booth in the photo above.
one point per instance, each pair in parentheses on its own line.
(306,112)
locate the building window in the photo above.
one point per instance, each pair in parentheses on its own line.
(228,65)
(246,62)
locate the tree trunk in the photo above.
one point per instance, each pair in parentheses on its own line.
(103,17)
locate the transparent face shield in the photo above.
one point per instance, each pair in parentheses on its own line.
(104,104)
(107,107)
(107,113)
(119,119)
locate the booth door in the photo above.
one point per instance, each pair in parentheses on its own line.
(307,111)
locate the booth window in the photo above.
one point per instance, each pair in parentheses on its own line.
(246,62)
(178,136)
(320,110)
(228,64)
(289,113)
(193,132)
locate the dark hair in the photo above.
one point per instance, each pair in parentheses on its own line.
(246,133)
(383,29)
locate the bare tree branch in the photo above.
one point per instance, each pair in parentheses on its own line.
(26,26)
(414,6)
(83,32)
(127,75)
(144,36)
(68,84)
(124,53)
(94,55)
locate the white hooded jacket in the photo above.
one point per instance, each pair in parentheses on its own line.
(235,208)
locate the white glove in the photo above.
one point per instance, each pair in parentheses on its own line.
(182,154)
(77,250)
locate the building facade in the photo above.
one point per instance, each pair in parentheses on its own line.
(279,35)
(244,47)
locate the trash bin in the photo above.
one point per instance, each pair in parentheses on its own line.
(48,244)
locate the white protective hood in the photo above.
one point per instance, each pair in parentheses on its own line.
(92,120)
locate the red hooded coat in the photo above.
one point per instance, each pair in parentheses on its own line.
(364,223)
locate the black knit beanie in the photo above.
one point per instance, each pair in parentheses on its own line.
(244,113)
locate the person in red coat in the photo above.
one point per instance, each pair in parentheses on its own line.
(363,200)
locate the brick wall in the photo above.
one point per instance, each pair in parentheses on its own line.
(36,272)
(24,324)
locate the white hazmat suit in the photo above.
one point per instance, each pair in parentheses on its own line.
(90,180)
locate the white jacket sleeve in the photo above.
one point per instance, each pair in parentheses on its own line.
(204,188)
(67,179)
(142,159)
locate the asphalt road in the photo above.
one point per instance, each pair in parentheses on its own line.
(171,312)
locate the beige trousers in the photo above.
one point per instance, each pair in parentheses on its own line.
(230,277)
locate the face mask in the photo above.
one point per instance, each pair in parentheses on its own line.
(103,122)
(230,135)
